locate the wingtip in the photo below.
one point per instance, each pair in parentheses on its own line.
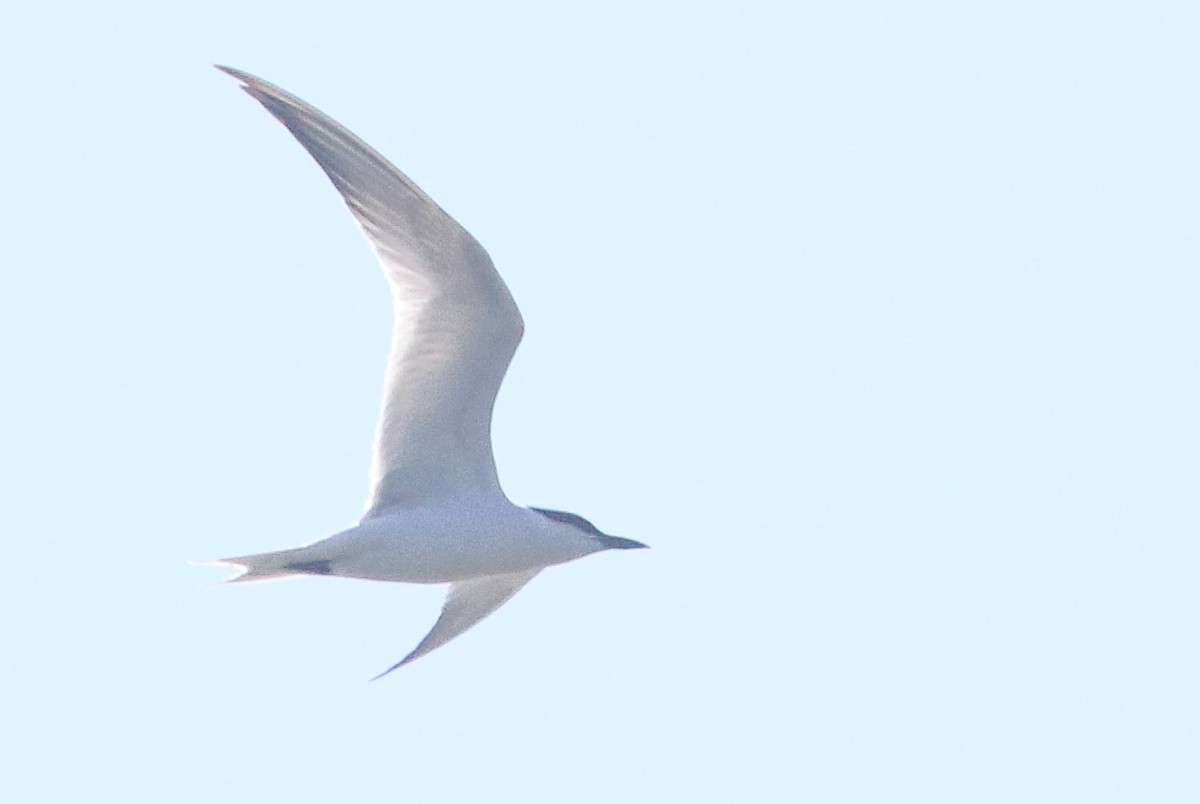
(236,73)
(396,666)
(247,81)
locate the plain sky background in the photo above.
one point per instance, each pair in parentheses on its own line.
(878,321)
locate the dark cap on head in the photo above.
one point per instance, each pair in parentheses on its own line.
(576,521)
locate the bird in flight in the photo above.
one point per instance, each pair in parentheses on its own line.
(435,512)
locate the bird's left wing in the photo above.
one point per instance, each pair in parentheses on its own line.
(467,603)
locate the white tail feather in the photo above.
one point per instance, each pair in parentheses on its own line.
(261,566)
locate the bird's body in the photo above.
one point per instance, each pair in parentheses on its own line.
(445,543)
(435,511)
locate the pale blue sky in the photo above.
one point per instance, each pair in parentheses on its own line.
(878,321)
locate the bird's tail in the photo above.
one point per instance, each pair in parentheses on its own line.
(271,566)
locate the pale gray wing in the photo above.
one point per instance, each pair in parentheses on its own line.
(456,325)
(467,603)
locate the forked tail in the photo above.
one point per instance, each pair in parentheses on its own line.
(271,566)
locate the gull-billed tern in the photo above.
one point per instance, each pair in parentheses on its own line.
(435,512)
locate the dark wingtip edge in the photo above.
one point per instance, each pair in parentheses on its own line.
(396,666)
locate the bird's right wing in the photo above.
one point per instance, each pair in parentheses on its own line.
(456,326)
(467,603)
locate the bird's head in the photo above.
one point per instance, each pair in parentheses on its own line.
(579,523)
